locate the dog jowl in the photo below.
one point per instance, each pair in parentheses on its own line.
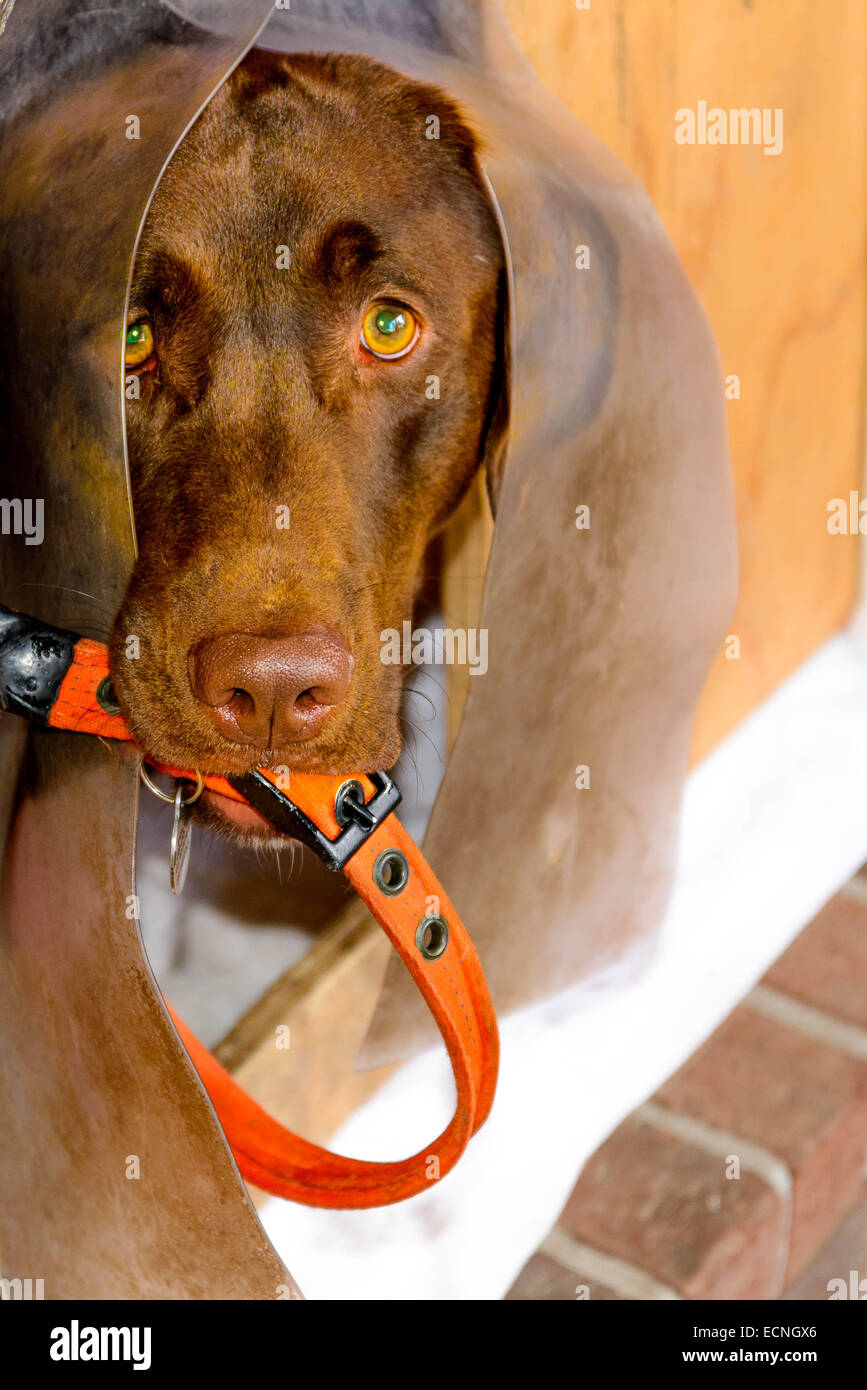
(312,261)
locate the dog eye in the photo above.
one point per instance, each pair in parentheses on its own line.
(389,331)
(139,347)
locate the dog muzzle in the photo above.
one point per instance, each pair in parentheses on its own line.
(56,678)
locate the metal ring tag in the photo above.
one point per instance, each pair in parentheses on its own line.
(179,849)
(163,796)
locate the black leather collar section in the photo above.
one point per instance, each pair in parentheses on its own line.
(34,658)
(284,815)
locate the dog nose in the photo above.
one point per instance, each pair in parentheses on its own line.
(270,690)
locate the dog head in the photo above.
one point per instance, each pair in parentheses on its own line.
(315,327)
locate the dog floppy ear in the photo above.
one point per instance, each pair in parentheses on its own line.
(494,442)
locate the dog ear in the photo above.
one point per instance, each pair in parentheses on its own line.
(494,444)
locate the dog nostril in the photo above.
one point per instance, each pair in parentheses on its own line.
(306,699)
(240,702)
(270,690)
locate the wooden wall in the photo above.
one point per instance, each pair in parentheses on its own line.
(775,247)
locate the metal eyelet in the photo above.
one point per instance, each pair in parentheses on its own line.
(432,936)
(391,872)
(105,696)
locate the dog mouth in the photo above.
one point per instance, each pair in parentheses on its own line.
(234,819)
(238,821)
(239,814)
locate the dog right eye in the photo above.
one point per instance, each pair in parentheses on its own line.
(389,331)
(139,347)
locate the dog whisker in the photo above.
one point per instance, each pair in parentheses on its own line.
(423,734)
(422,696)
(410,753)
(61,589)
(440,685)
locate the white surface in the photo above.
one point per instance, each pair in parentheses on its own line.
(774,822)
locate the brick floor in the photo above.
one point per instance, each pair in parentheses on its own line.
(797,1098)
(744,1176)
(826,967)
(665,1205)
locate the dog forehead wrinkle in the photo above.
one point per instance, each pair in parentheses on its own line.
(308,165)
(194,198)
(352,92)
(227,222)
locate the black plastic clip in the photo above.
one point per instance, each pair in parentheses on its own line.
(359,817)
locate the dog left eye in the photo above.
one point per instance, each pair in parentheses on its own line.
(389,331)
(139,344)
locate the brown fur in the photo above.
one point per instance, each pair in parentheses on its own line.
(259,398)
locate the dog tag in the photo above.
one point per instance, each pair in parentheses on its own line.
(179,852)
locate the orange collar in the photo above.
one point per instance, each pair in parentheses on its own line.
(434,947)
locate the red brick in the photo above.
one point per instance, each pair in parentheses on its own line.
(544,1280)
(826,966)
(800,1099)
(667,1207)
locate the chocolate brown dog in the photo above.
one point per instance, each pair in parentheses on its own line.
(316,325)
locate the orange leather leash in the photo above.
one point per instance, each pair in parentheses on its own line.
(390,874)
